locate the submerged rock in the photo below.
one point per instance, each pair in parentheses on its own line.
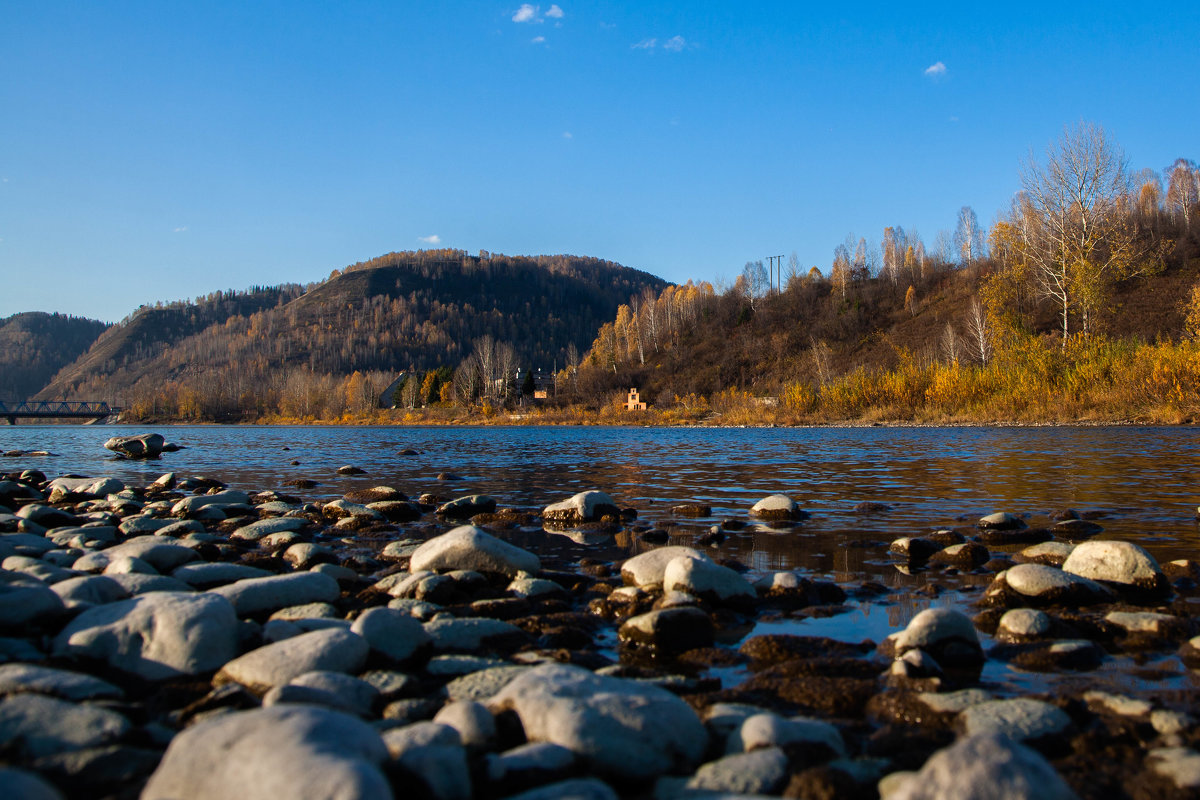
(777,508)
(584,507)
(146,445)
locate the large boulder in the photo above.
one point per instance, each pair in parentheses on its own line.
(272,753)
(702,578)
(146,445)
(33,726)
(156,636)
(1042,585)
(584,507)
(649,568)
(623,729)
(777,508)
(471,548)
(1121,564)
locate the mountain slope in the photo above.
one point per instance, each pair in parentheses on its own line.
(35,345)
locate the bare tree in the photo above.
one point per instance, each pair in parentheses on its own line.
(951,345)
(1076,241)
(485,362)
(757,280)
(1183,189)
(840,272)
(506,365)
(979,334)
(968,237)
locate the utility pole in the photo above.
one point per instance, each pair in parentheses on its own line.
(776,264)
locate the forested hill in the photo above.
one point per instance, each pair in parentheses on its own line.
(35,345)
(233,353)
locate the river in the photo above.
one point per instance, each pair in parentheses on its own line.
(1140,482)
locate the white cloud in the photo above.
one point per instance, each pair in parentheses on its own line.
(180,229)
(936,70)
(526,13)
(568,135)
(646,44)
(674,44)
(555,12)
(434,239)
(538,39)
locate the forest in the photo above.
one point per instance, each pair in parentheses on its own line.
(1080,302)
(34,346)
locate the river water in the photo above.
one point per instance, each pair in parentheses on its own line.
(1141,483)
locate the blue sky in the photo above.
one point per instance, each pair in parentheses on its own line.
(159,150)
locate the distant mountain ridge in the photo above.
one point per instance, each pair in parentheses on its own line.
(417,310)
(35,345)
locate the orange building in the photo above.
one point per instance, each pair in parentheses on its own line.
(634,403)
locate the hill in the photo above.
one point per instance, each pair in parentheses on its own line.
(238,355)
(35,345)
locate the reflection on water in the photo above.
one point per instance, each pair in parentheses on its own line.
(1140,480)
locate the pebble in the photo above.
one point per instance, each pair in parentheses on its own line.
(471,548)
(1022,719)
(271,665)
(259,595)
(983,767)
(762,771)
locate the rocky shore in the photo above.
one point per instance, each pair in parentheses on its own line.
(184,639)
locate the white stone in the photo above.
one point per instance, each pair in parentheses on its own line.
(935,625)
(330,689)
(471,548)
(256,595)
(156,636)
(702,577)
(1143,621)
(583,507)
(61,683)
(773,505)
(647,568)
(984,767)
(1180,764)
(759,772)
(274,753)
(1024,623)
(467,633)
(208,575)
(264,527)
(954,702)
(88,591)
(333,649)
(770,730)
(622,728)
(188,506)
(475,724)
(393,634)
(1116,562)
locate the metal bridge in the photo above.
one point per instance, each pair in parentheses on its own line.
(56,409)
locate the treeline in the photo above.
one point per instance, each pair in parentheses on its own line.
(34,346)
(412,312)
(1072,303)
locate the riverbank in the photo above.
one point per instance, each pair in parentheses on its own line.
(198,639)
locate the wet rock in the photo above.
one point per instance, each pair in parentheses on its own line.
(1051,656)
(999,537)
(984,767)
(1022,719)
(395,636)
(624,729)
(691,510)
(264,527)
(913,549)
(1023,624)
(471,548)
(188,507)
(1051,554)
(872,507)
(947,635)
(397,510)
(776,648)
(1001,521)
(1179,764)
(820,740)
(667,632)
(467,507)
(328,689)
(966,556)
(1149,624)
(1074,530)
(284,751)
(334,650)
(145,445)
(259,595)
(1189,652)
(376,494)
(350,470)
(590,506)
(825,687)
(709,581)
(155,636)
(60,683)
(1117,704)
(777,508)
(1121,564)
(647,569)
(763,771)
(1040,585)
